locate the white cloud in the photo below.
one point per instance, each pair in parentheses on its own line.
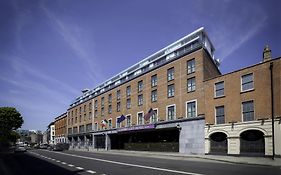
(79,40)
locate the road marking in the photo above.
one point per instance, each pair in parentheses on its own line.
(90,171)
(129,164)
(70,165)
(79,168)
(58,161)
(63,163)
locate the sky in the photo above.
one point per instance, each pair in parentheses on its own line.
(51,50)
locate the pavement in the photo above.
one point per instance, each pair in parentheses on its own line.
(262,161)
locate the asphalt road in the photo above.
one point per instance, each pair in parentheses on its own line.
(72,162)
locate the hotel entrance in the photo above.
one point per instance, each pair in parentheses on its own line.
(162,140)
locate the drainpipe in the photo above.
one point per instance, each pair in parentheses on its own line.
(272,109)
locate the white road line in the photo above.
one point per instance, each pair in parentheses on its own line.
(90,171)
(63,163)
(70,165)
(58,161)
(79,168)
(132,165)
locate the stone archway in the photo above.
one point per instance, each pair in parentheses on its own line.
(218,143)
(252,143)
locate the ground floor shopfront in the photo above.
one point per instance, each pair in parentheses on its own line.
(245,138)
(189,136)
(184,136)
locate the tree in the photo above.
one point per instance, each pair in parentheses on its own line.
(10,120)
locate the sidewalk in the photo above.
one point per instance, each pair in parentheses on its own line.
(264,161)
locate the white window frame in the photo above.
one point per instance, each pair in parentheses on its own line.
(117,123)
(110,127)
(127,120)
(186,110)
(175,117)
(215,95)
(242,118)
(241,88)
(154,109)
(138,118)
(96,128)
(216,115)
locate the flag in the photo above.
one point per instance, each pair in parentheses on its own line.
(150,113)
(104,122)
(121,118)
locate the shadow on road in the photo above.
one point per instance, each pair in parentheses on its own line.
(22,164)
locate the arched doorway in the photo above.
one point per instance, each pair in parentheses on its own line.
(218,143)
(252,142)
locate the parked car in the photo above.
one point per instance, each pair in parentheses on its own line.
(43,146)
(56,147)
(20,148)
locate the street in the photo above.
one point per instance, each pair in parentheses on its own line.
(72,162)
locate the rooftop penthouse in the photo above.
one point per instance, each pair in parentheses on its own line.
(189,43)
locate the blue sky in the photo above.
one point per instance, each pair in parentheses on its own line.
(51,50)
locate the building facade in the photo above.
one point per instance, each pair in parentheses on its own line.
(166,102)
(60,128)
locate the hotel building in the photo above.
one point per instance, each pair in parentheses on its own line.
(177,100)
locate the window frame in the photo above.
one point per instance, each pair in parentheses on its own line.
(242,112)
(153,94)
(175,112)
(193,66)
(138,118)
(173,92)
(216,90)
(193,84)
(170,74)
(216,121)
(241,82)
(186,108)
(154,80)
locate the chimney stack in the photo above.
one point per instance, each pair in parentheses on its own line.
(266,53)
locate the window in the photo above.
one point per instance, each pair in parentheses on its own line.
(109,98)
(85,117)
(71,121)
(170,74)
(117,124)
(96,113)
(84,108)
(171,90)
(118,106)
(154,95)
(154,81)
(118,95)
(102,111)
(219,89)
(102,101)
(96,104)
(190,66)
(90,115)
(128,91)
(109,109)
(140,86)
(80,118)
(153,118)
(191,109)
(128,121)
(191,84)
(128,105)
(69,130)
(81,128)
(248,110)
(75,119)
(247,82)
(171,112)
(140,100)
(80,110)
(89,127)
(90,106)
(140,118)
(96,127)
(220,119)
(110,123)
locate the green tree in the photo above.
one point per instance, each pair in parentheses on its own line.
(10,120)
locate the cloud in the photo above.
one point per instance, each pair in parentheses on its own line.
(235,29)
(77,38)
